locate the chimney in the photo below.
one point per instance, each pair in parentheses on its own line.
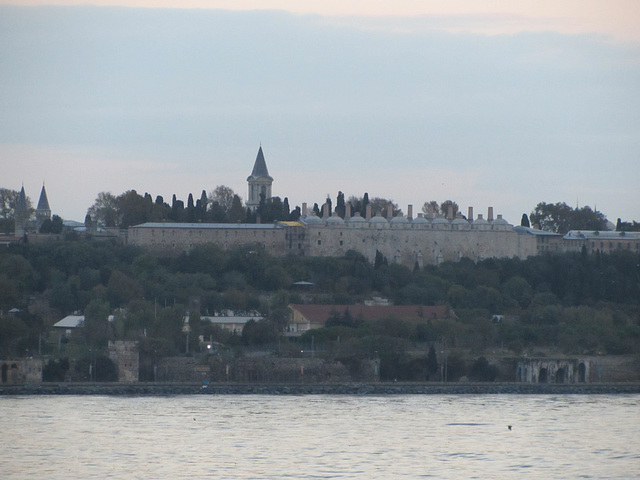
(470,214)
(325,211)
(450,212)
(368,211)
(347,211)
(430,211)
(490,214)
(410,211)
(389,212)
(304,209)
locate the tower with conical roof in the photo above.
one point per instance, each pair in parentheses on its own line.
(21,214)
(259,182)
(43,212)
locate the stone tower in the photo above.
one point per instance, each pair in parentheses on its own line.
(21,215)
(259,182)
(43,212)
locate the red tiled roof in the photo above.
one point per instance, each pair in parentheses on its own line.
(319,314)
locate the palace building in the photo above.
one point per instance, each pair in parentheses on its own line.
(426,239)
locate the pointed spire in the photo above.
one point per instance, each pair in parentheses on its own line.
(260,166)
(22,200)
(43,203)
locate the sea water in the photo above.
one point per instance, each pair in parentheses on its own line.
(320,437)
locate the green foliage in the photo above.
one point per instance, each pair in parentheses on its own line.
(482,371)
(55,370)
(570,303)
(96,323)
(560,218)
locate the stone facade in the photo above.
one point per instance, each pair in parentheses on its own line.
(264,370)
(126,356)
(175,238)
(424,240)
(411,242)
(20,371)
(420,241)
(553,370)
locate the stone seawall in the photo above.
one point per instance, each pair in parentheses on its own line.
(140,389)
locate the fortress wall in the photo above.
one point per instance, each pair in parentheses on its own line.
(175,240)
(399,242)
(405,245)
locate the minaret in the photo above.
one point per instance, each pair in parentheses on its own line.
(259,182)
(21,214)
(43,212)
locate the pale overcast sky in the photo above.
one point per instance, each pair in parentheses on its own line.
(497,105)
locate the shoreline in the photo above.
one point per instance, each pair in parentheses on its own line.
(170,389)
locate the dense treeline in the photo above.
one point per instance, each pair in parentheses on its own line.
(570,303)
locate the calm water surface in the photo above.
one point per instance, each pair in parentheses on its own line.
(318,437)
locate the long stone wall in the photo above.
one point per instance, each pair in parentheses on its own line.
(175,238)
(399,240)
(421,244)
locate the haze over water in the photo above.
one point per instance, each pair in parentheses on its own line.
(259,437)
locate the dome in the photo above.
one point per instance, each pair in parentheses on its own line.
(440,221)
(378,219)
(460,223)
(400,219)
(335,220)
(500,221)
(420,221)
(480,221)
(312,219)
(357,218)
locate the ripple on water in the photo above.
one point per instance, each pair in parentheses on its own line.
(300,437)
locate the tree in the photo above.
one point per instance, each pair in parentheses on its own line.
(133,209)
(340,205)
(560,218)
(202,205)
(96,323)
(286,209)
(444,208)
(54,224)
(482,371)
(432,205)
(223,195)
(237,211)
(380,205)
(104,210)
(524,222)
(7,209)
(432,362)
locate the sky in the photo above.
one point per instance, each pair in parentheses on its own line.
(504,104)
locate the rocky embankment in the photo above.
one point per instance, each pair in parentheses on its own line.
(137,389)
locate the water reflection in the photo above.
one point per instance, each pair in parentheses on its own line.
(431,436)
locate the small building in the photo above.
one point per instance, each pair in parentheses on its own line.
(603,242)
(229,320)
(68,324)
(309,317)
